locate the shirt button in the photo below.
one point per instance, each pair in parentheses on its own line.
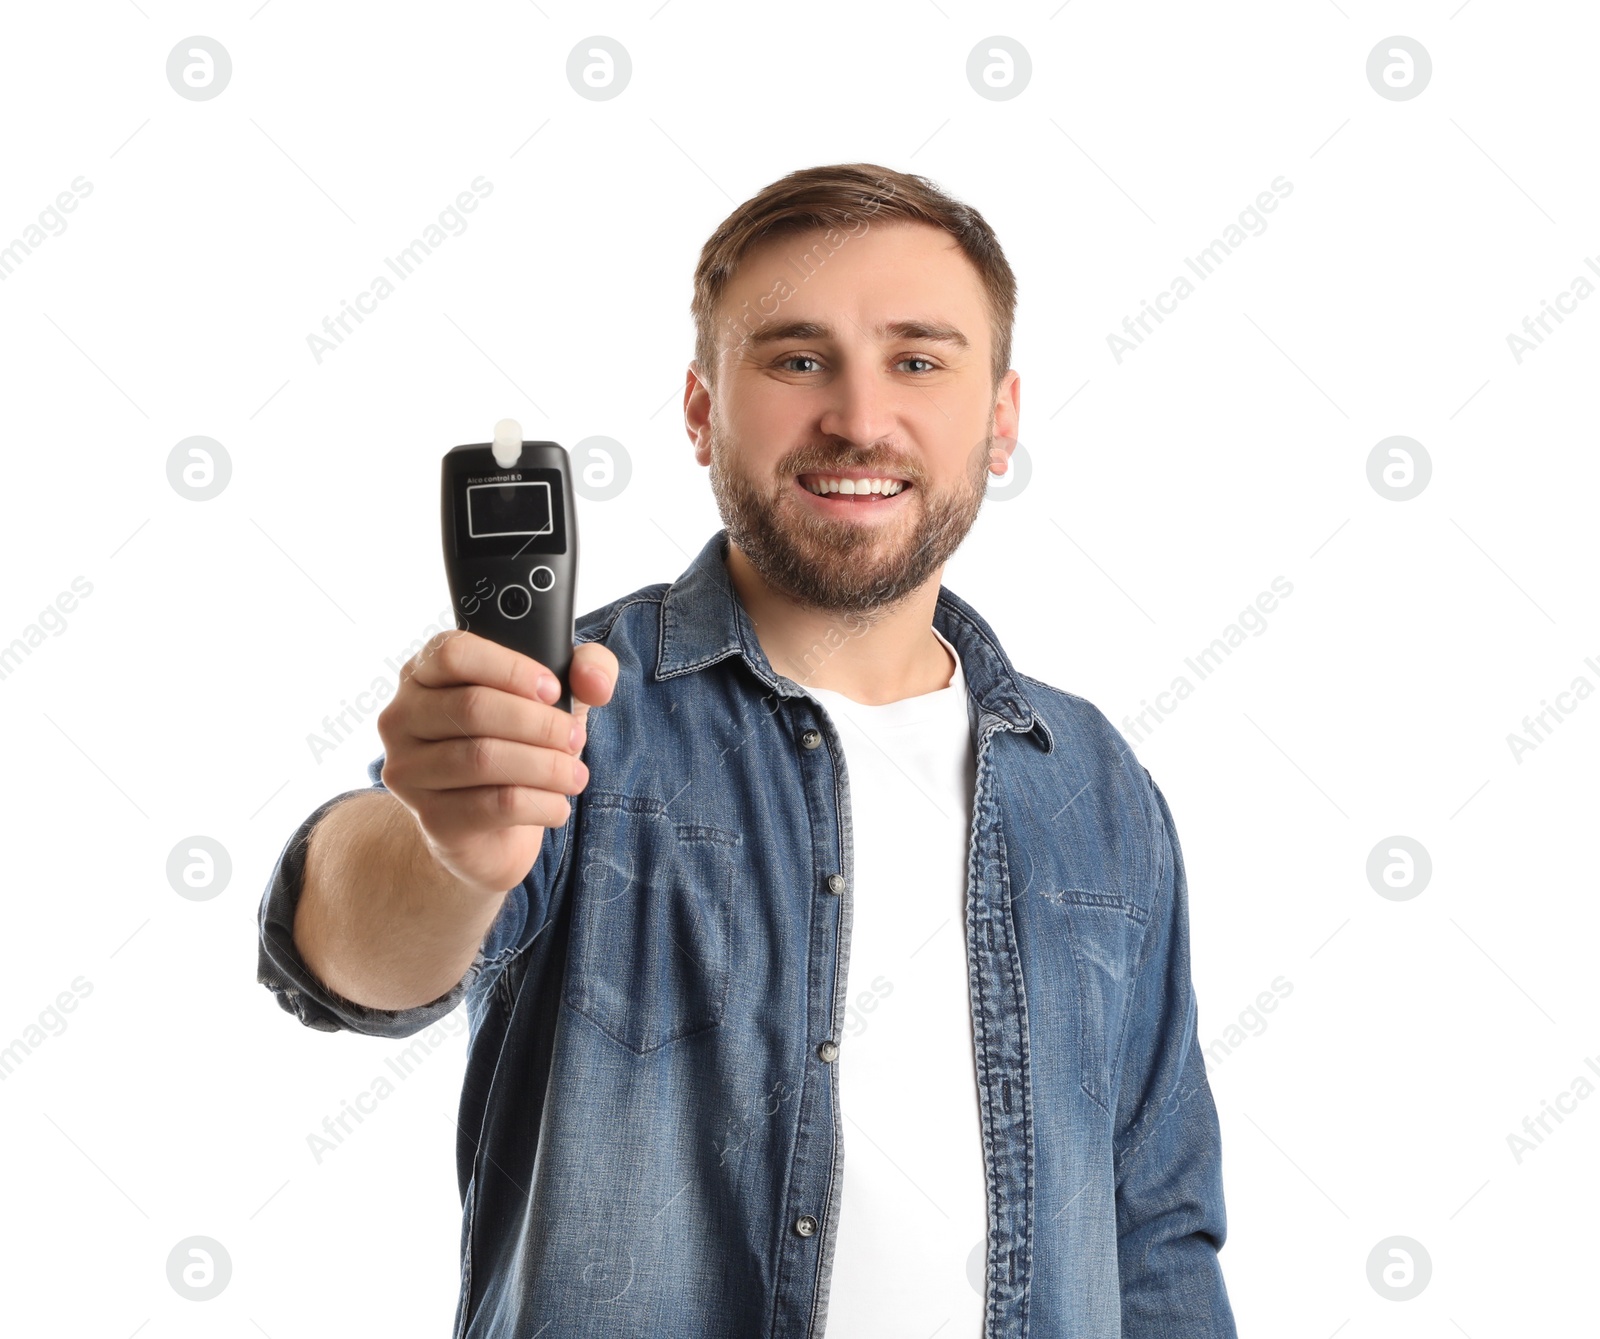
(836,883)
(805,1225)
(828,1050)
(811,738)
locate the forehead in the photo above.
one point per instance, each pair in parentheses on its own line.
(881,270)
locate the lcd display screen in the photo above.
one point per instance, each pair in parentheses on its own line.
(511,517)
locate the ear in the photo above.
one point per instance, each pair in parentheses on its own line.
(697,412)
(1007,415)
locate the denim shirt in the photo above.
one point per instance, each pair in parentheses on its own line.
(650,1136)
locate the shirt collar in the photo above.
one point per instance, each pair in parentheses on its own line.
(703,622)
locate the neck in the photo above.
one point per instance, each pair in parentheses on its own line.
(872,657)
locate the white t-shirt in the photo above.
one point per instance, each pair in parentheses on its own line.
(913,1219)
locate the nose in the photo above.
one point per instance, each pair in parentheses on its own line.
(858,407)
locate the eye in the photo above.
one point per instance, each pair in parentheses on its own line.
(918,358)
(795,358)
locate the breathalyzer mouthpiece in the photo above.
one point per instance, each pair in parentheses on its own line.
(507,442)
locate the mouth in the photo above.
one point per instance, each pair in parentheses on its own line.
(857,503)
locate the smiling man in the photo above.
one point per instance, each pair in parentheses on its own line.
(849,992)
(845,387)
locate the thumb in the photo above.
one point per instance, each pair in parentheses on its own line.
(593,676)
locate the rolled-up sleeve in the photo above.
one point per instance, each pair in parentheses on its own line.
(1171,1220)
(282,970)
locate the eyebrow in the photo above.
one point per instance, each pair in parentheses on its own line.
(930,331)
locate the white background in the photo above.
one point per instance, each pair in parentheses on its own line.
(1228,450)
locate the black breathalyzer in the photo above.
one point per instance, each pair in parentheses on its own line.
(511,546)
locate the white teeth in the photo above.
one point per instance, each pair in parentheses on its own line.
(887,487)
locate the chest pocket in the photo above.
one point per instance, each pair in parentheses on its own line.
(652,922)
(1106,933)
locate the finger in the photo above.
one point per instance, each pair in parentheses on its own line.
(468,812)
(458,657)
(598,666)
(475,711)
(463,764)
(593,677)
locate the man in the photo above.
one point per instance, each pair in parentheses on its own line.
(849,992)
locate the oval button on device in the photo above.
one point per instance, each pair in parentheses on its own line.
(541,578)
(515,601)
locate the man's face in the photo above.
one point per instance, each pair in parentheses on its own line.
(825,384)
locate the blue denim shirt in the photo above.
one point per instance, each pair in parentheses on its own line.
(650,1138)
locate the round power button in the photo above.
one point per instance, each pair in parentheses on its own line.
(515,601)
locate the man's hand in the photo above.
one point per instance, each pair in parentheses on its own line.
(481,762)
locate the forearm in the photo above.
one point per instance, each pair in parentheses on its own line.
(380,921)
(1171,1217)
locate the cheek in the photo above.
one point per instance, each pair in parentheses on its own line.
(771,416)
(763,433)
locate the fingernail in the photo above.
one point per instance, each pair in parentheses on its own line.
(572,739)
(549,689)
(580,771)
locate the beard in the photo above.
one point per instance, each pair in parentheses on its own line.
(836,565)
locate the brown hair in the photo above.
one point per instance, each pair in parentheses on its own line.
(837,197)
